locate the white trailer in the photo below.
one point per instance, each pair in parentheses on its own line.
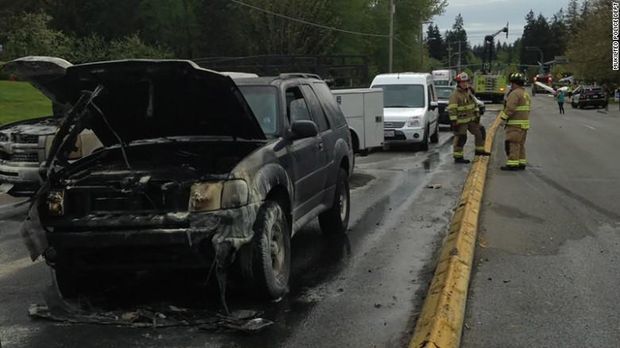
(363,109)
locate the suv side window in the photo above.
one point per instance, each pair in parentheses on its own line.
(296,107)
(315,107)
(328,102)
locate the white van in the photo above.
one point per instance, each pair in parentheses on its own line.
(410,108)
(443,77)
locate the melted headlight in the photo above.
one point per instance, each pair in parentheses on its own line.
(56,203)
(208,196)
(205,196)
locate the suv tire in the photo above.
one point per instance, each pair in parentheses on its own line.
(435,136)
(266,261)
(336,219)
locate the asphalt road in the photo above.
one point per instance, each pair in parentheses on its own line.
(547,259)
(361,290)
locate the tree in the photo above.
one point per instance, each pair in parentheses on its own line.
(589,50)
(29,34)
(572,16)
(559,34)
(536,33)
(458,36)
(435,43)
(276,35)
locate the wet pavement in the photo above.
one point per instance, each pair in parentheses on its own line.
(362,289)
(547,268)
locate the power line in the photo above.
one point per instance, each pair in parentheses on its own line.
(404,44)
(298,20)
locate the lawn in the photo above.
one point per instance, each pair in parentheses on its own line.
(19,101)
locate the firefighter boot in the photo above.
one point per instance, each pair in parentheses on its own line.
(461,160)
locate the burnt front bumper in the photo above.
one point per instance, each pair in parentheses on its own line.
(169,241)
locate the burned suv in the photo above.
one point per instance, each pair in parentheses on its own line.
(195,172)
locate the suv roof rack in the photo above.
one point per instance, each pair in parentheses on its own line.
(302,75)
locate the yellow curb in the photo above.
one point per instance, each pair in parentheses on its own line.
(441,321)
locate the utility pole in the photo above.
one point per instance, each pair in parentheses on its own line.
(391,46)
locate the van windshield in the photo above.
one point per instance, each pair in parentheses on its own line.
(402,96)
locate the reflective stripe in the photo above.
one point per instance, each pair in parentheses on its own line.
(525,124)
(452,106)
(523,161)
(503,115)
(457,154)
(512,163)
(464,120)
(480,148)
(468,107)
(453,117)
(523,108)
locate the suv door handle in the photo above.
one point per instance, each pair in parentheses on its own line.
(321,146)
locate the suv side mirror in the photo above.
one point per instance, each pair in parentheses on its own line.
(434,105)
(303,129)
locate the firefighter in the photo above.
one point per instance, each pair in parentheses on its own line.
(463,112)
(516,115)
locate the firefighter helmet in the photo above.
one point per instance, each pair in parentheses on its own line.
(462,77)
(517,78)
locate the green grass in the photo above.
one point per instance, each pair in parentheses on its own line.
(20,101)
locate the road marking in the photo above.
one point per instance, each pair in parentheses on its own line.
(441,321)
(17,265)
(592,128)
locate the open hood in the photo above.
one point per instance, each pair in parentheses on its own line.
(145,99)
(45,73)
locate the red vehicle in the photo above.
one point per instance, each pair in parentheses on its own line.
(547,79)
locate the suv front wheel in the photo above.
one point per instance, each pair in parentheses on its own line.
(266,262)
(336,219)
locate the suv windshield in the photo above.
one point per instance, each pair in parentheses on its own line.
(444,92)
(264,105)
(402,96)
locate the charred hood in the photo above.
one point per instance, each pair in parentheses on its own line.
(146,99)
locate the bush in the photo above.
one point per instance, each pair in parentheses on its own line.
(29,35)
(91,48)
(133,47)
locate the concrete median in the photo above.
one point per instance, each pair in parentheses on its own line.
(440,323)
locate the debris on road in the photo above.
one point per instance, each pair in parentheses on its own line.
(433,186)
(58,310)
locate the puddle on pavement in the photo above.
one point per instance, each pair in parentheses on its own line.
(431,161)
(359,180)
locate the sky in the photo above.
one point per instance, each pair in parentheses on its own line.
(484,17)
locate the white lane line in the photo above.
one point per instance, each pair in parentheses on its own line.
(592,128)
(9,268)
